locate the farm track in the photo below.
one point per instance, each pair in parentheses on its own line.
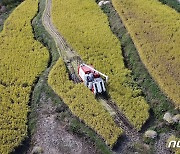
(64,49)
(123,122)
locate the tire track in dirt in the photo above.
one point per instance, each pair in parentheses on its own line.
(131,134)
(63,46)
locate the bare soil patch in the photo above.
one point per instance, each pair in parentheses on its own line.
(51,135)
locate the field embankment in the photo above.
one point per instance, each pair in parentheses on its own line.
(21,62)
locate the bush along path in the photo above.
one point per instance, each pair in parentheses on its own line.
(158,102)
(175,4)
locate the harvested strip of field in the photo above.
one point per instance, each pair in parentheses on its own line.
(22,59)
(155,30)
(85,27)
(83,104)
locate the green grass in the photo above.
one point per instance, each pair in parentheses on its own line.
(10,3)
(172,3)
(42,36)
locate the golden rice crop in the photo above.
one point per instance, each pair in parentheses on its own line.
(155,30)
(83,104)
(86,28)
(22,59)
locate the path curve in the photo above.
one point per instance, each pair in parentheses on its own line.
(131,134)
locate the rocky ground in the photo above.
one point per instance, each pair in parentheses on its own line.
(51,137)
(160,145)
(2,14)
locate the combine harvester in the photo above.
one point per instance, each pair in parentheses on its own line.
(92,78)
(81,72)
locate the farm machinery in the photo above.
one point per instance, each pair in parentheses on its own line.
(81,72)
(92,78)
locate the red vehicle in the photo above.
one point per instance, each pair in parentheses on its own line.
(92,78)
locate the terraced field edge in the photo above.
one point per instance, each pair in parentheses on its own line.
(22,60)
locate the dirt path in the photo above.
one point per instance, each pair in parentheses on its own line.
(160,145)
(51,136)
(46,20)
(131,135)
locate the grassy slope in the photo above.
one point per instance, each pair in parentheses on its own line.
(172,3)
